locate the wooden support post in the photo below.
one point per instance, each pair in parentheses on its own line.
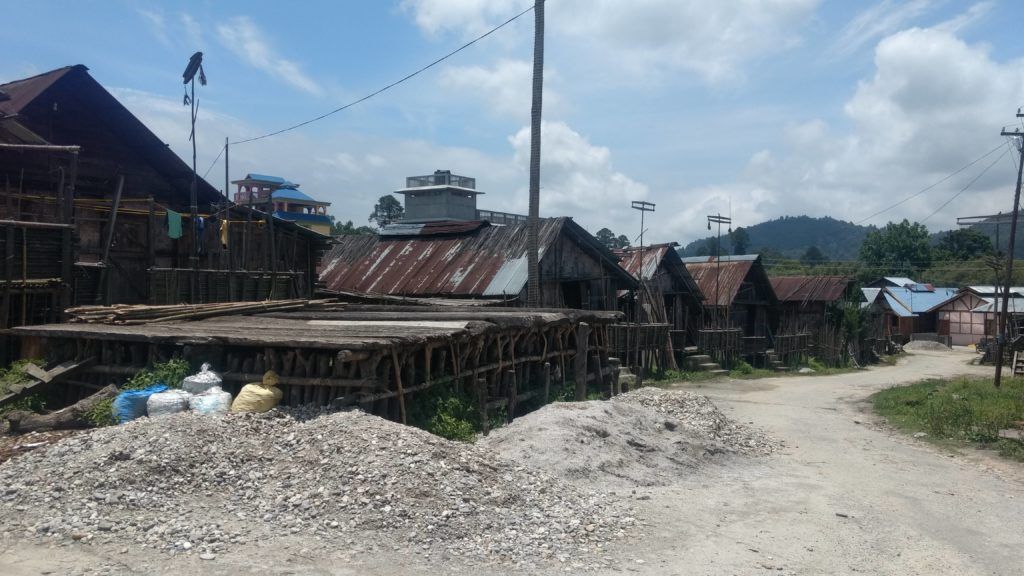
(582,339)
(103,295)
(510,378)
(398,384)
(546,379)
(481,394)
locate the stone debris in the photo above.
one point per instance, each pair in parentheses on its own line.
(698,415)
(647,437)
(916,345)
(195,484)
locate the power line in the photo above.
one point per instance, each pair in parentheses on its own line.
(393,84)
(927,188)
(212,164)
(969,184)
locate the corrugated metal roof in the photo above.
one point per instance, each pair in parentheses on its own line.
(993,290)
(810,288)
(433,228)
(291,194)
(723,258)
(302,217)
(651,258)
(907,302)
(1015,305)
(468,259)
(75,84)
(12,132)
(723,278)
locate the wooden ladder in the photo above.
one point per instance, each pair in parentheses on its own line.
(1018,364)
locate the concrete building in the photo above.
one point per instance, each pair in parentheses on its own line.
(446,197)
(284,200)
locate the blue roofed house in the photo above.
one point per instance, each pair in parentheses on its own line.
(284,199)
(910,309)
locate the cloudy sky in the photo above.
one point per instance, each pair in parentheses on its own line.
(772,107)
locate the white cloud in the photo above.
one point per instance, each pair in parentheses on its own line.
(243,37)
(712,39)
(467,17)
(878,21)
(193,31)
(933,104)
(157,25)
(577,178)
(506,88)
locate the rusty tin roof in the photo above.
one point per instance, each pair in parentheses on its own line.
(810,288)
(455,259)
(654,257)
(726,276)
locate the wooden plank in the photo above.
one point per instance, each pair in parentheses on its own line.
(45,378)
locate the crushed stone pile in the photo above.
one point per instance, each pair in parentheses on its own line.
(648,437)
(189,483)
(698,415)
(926,345)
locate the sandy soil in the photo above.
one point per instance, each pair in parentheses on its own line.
(846,495)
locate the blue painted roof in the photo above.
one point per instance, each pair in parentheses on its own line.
(264,178)
(291,194)
(302,217)
(907,302)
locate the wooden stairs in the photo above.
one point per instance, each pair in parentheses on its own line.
(696,362)
(772,362)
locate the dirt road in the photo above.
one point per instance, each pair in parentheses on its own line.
(845,496)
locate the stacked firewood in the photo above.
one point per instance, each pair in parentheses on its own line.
(144,314)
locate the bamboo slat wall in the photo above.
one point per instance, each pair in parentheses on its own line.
(379,360)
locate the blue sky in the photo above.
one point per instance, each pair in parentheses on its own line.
(775,106)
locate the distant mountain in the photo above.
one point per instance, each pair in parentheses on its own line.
(792,235)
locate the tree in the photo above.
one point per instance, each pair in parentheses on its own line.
(350,229)
(387,210)
(607,237)
(740,240)
(897,249)
(813,256)
(963,244)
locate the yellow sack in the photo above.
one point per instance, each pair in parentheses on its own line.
(258,397)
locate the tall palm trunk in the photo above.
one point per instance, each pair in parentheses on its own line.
(533,224)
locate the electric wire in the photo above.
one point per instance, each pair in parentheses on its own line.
(964,189)
(391,85)
(929,187)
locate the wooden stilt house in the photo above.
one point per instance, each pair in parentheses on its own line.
(97,208)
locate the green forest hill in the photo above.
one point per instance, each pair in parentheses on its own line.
(802,245)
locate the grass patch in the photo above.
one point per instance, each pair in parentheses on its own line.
(15,374)
(962,412)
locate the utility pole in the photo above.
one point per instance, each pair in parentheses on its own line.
(533,220)
(1004,313)
(642,207)
(718,219)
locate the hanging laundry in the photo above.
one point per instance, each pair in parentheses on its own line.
(173,224)
(224,233)
(200,231)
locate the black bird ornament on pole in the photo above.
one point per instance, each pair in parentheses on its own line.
(195,64)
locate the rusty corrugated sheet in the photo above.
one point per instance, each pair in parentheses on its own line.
(810,288)
(653,257)
(488,261)
(722,279)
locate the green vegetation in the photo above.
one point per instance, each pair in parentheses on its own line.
(450,413)
(170,373)
(15,374)
(958,412)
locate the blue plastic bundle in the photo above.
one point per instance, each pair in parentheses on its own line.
(131,404)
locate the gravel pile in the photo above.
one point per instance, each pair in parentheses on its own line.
(926,345)
(195,484)
(648,437)
(698,415)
